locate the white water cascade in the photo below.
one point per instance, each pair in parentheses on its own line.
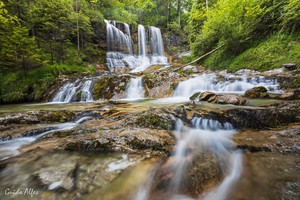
(135,89)
(205,136)
(157,46)
(121,52)
(80,90)
(11,147)
(227,84)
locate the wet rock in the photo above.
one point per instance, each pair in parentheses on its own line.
(227,99)
(154,118)
(194,96)
(57,177)
(156,142)
(290,66)
(109,85)
(257,92)
(290,81)
(205,96)
(253,149)
(202,174)
(291,190)
(292,95)
(262,118)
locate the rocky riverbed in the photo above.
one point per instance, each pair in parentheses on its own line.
(121,140)
(118,148)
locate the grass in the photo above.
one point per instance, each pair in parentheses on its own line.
(263,55)
(31,86)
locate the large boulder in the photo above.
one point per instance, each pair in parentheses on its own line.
(257,92)
(205,96)
(227,99)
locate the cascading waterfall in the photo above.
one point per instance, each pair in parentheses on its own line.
(230,84)
(80,90)
(120,47)
(157,46)
(135,88)
(206,135)
(142,40)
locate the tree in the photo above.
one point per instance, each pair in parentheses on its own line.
(17,48)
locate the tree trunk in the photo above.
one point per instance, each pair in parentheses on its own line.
(179,12)
(77,24)
(200,58)
(51,53)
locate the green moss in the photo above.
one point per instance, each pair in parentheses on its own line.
(186,72)
(152,120)
(101,88)
(150,80)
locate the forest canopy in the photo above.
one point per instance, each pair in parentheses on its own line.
(40,32)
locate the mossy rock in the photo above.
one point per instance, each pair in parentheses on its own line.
(109,85)
(257,92)
(56,116)
(194,96)
(154,119)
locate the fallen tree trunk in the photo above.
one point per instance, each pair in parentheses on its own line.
(201,57)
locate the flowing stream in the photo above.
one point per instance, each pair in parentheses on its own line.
(227,84)
(10,148)
(206,135)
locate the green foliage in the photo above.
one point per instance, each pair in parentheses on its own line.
(230,23)
(265,54)
(254,33)
(291,15)
(15,87)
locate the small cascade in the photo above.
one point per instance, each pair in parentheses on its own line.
(86,94)
(135,88)
(10,148)
(77,91)
(206,135)
(224,84)
(120,47)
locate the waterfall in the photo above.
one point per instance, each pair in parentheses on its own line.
(120,53)
(86,94)
(135,88)
(127,28)
(226,84)
(77,91)
(119,47)
(142,40)
(156,41)
(206,135)
(157,46)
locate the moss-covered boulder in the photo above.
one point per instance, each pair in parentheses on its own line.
(257,92)
(107,86)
